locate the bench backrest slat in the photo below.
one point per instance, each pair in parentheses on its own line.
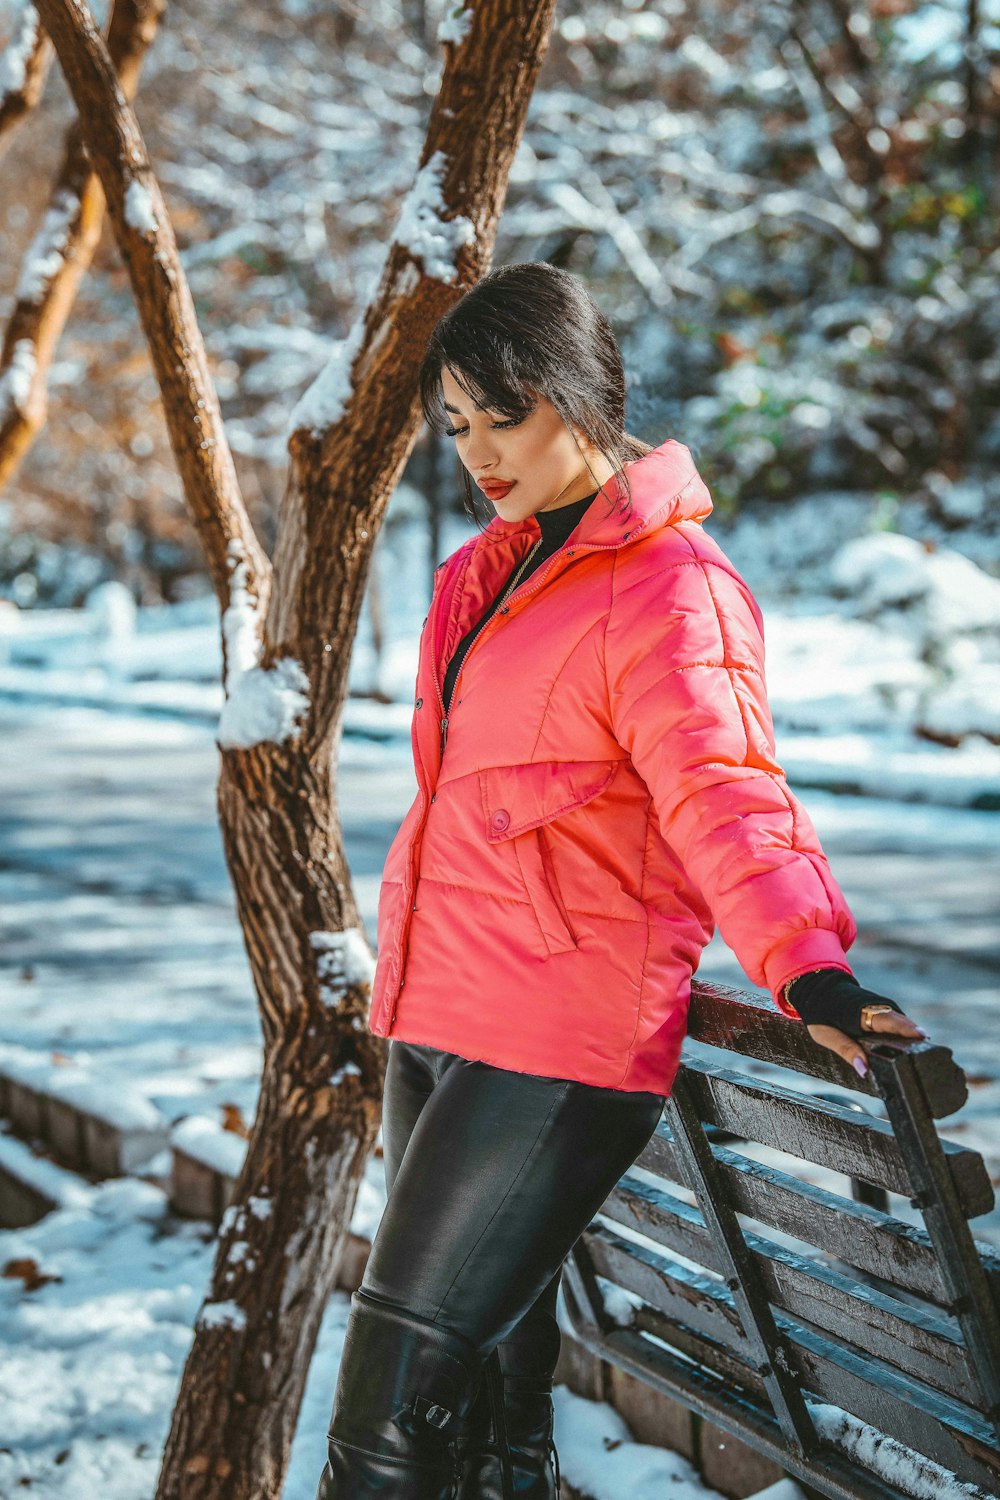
(743,1025)
(912,1338)
(828,1134)
(874,1242)
(772,1293)
(947,1431)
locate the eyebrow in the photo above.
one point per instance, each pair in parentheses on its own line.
(456,413)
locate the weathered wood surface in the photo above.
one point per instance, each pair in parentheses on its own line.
(948,1431)
(888,1321)
(922,1342)
(877,1244)
(700,1376)
(828,1134)
(721,1016)
(22,1201)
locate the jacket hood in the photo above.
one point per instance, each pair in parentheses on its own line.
(665,488)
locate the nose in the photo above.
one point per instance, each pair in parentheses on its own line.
(481,454)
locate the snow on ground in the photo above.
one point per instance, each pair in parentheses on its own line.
(883,658)
(123,953)
(599,1458)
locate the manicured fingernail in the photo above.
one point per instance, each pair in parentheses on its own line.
(860,1066)
(922,1032)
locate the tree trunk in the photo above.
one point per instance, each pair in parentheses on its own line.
(288,631)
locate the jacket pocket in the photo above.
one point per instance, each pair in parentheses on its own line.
(518,801)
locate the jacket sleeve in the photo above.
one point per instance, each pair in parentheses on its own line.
(684,656)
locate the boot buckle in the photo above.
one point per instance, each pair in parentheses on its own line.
(432,1412)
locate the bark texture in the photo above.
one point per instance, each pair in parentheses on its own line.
(288,631)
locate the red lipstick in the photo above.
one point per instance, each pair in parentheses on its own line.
(496,489)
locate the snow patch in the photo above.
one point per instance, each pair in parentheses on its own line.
(784,1489)
(138,204)
(888,569)
(455,25)
(45,253)
(46,1177)
(899,1465)
(205,1141)
(349,1070)
(422,228)
(967,706)
(617,1304)
(222,1315)
(344,962)
(123,1106)
(598,1456)
(263,704)
(241,626)
(14,57)
(112,609)
(15,384)
(323,403)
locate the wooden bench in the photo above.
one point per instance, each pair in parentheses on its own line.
(781,1298)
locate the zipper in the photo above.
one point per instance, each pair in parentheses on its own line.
(494,1379)
(529,588)
(479,629)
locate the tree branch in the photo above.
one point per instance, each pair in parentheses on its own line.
(146,240)
(350,434)
(61,252)
(24,67)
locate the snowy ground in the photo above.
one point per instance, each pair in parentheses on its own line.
(122,953)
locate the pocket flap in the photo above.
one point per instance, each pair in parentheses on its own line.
(525,795)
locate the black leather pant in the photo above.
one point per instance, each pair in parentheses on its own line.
(492,1176)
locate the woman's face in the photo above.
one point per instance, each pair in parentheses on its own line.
(538,453)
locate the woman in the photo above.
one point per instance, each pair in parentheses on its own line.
(597,788)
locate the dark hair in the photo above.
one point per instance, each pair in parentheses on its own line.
(531,330)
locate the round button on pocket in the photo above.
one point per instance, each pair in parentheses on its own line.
(500,820)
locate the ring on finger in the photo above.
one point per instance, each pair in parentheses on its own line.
(867,1013)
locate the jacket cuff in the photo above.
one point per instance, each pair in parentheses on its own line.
(813,948)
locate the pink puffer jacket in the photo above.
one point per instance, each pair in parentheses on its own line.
(607,792)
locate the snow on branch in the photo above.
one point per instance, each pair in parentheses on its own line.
(344,961)
(223,1314)
(46,254)
(455,24)
(138,205)
(16,381)
(263,704)
(324,403)
(23,65)
(423,230)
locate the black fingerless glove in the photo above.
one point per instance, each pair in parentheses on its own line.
(831,997)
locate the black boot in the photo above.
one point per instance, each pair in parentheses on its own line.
(405,1386)
(506,1447)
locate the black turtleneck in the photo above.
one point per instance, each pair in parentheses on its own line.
(556,526)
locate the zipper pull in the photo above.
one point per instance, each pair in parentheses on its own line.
(444,733)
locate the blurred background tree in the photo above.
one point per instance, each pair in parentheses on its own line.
(789,210)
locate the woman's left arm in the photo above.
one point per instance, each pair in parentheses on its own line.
(684,661)
(837,1011)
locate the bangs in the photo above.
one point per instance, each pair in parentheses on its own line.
(491,381)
